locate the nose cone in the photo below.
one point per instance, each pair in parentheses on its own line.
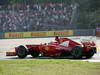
(12,52)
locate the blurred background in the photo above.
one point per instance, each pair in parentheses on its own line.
(81,16)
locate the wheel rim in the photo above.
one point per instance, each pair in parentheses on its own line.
(21,52)
(77,52)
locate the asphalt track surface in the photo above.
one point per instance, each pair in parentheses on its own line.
(8,44)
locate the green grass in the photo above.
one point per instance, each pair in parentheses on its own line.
(48,67)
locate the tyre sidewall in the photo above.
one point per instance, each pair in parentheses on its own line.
(21,52)
(77,52)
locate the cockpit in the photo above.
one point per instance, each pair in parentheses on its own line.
(65,43)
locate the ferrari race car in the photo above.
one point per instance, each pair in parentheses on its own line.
(61,47)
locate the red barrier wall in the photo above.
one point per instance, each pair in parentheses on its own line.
(98,33)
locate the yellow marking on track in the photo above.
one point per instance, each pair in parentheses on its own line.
(98,47)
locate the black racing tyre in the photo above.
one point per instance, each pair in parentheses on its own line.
(77,52)
(34,53)
(90,53)
(21,52)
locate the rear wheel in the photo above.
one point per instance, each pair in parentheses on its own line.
(91,53)
(34,53)
(21,52)
(77,52)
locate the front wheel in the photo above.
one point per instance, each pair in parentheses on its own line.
(21,52)
(77,52)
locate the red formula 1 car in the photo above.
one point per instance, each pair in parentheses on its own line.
(61,47)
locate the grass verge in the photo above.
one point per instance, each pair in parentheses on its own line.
(48,67)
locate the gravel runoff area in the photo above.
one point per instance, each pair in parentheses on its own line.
(8,44)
